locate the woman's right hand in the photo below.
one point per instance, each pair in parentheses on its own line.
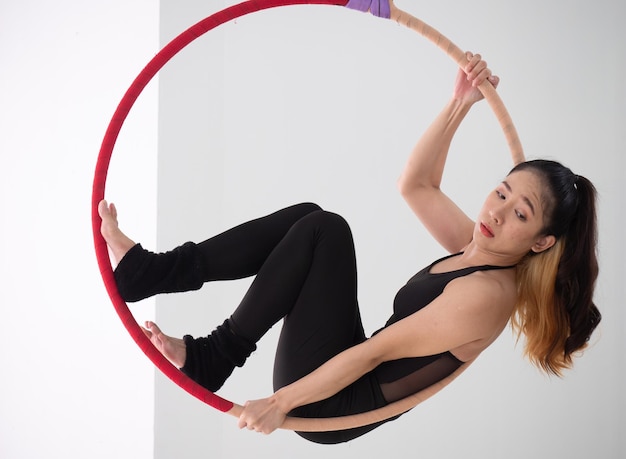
(264,416)
(470,77)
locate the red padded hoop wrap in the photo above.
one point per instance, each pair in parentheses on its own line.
(99,185)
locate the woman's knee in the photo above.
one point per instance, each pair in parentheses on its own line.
(308,207)
(323,221)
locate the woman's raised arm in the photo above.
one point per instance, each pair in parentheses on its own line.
(420,181)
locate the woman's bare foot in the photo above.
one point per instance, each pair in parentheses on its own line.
(117,241)
(173,349)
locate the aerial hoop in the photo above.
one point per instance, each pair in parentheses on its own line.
(382,8)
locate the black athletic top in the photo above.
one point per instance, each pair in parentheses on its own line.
(404,377)
(395,379)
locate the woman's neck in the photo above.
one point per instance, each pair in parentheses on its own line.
(473,255)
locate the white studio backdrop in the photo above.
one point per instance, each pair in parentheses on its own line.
(307,103)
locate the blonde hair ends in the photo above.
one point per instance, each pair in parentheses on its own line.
(539,314)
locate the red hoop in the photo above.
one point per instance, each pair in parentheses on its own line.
(99,184)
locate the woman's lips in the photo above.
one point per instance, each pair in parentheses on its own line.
(486,230)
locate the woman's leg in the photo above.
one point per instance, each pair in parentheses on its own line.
(309,280)
(236,253)
(306,274)
(321,315)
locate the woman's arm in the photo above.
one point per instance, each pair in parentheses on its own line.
(420,181)
(268,414)
(450,321)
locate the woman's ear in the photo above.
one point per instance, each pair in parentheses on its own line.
(543,243)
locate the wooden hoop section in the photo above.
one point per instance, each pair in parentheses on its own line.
(99,185)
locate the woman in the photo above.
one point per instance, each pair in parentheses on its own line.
(530,256)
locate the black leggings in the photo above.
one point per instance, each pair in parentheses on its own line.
(305,269)
(304,262)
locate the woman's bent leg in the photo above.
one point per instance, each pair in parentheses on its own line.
(309,280)
(234,254)
(324,321)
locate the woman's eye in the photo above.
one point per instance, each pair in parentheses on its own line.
(520,215)
(500,195)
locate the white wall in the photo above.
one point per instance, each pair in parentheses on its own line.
(73,383)
(321,103)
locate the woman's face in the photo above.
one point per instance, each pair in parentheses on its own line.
(511,220)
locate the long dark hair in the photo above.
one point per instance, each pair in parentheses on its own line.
(555,309)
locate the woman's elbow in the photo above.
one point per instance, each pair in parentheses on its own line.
(414,192)
(401,185)
(405,186)
(374,354)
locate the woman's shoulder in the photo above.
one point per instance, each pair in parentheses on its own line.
(486,289)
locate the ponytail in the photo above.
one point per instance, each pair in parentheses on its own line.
(578,270)
(555,309)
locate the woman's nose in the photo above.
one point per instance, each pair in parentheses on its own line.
(496,216)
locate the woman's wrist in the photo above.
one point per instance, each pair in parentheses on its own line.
(457,109)
(281,399)
(461,103)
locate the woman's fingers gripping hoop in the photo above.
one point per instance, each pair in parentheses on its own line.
(262,416)
(477,70)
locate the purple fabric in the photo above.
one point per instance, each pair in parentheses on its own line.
(378,8)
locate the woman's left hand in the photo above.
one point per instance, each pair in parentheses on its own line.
(261,416)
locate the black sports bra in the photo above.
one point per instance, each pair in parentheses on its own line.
(401,378)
